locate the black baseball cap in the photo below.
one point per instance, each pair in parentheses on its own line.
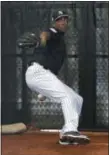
(59,14)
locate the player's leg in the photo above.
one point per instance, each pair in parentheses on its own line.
(43,81)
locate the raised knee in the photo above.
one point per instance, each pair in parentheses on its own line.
(81,99)
(76,97)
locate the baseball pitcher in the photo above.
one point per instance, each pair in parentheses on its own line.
(41,77)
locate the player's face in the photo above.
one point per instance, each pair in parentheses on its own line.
(62,24)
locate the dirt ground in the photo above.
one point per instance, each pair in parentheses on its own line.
(47,144)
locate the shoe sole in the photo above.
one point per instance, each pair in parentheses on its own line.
(67,143)
(74,141)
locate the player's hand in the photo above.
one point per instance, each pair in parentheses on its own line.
(41,98)
(44,36)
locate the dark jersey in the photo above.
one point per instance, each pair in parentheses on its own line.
(53,54)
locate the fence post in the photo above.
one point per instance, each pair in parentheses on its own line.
(87,65)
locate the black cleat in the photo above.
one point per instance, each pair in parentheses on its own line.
(73,138)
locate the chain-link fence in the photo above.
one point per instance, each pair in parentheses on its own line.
(36,16)
(102,66)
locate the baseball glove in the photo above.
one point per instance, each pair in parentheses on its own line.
(28,40)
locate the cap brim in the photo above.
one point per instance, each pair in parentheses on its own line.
(59,17)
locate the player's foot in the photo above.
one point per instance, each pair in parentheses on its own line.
(41,98)
(73,138)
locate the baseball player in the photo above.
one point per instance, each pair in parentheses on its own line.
(41,77)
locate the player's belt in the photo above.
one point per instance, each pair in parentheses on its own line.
(30,63)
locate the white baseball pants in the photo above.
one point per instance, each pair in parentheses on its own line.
(43,81)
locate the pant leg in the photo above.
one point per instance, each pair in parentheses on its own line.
(43,81)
